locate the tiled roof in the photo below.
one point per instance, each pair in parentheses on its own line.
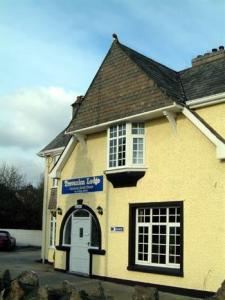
(129,83)
(164,77)
(61,140)
(204,80)
(126,83)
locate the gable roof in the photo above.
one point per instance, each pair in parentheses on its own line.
(126,83)
(135,84)
(166,78)
(129,83)
(60,141)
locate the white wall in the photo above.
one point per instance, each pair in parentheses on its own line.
(26,237)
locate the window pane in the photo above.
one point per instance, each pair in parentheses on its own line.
(138,153)
(138,128)
(67,233)
(159,235)
(94,233)
(81,213)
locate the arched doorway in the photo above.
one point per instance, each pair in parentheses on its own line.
(81,233)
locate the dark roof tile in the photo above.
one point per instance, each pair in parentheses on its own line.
(61,140)
(204,80)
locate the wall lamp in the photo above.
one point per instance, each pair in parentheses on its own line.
(100,210)
(59,211)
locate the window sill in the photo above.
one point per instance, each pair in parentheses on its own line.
(156,270)
(125,177)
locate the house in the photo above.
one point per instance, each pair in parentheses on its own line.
(135,185)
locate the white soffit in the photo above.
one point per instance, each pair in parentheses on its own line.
(148,115)
(51,152)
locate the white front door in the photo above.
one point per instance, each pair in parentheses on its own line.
(80,241)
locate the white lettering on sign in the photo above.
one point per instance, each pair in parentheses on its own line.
(89,180)
(74,182)
(93,180)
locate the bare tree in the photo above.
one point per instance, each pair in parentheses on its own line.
(11,177)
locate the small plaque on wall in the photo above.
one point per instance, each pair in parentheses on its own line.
(117,229)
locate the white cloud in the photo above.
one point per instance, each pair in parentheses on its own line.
(30,118)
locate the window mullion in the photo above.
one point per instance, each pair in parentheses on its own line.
(167,236)
(150,239)
(117,146)
(129,148)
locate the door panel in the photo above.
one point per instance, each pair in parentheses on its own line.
(80,241)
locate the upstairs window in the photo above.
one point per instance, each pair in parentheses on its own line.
(126,145)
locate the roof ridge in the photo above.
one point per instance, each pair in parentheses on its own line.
(152,60)
(166,74)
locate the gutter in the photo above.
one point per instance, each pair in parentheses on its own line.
(138,117)
(206,101)
(51,151)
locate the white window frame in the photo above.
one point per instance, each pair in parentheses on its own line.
(66,223)
(64,229)
(129,147)
(52,231)
(149,226)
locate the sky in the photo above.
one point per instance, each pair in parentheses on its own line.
(50,51)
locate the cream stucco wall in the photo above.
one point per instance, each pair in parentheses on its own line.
(180,167)
(214,115)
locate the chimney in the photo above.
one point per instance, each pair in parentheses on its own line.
(209,57)
(76,105)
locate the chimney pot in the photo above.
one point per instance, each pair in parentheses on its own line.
(209,56)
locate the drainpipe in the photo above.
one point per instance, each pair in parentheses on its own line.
(44,212)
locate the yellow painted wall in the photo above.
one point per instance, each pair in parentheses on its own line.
(214,116)
(180,167)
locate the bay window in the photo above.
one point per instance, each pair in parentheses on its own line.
(126,145)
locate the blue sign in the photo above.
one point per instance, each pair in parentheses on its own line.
(82,185)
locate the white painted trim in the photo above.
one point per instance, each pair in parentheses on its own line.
(82,139)
(171,117)
(125,169)
(51,152)
(56,171)
(220,146)
(206,101)
(134,118)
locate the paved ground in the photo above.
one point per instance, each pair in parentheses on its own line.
(26,259)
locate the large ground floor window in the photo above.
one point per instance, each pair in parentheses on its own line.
(156,237)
